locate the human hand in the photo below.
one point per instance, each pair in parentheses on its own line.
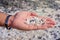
(20,18)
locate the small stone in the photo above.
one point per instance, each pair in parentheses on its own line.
(39,37)
(59,26)
(32,20)
(50,16)
(43,11)
(46,30)
(55,35)
(58,39)
(58,19)
(29,38)
(44,39)
(58,31)
(58,15)
(51,32)
(33,36)
(8,34)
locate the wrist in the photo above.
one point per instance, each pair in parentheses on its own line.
(10,20)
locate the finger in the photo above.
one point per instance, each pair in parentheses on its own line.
(33,14)
(49,26)
(43,27)
(50,22)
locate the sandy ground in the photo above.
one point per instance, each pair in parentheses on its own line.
(52,11)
